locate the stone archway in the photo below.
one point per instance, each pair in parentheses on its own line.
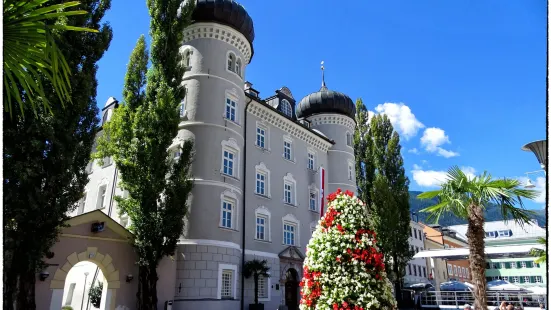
(103,261)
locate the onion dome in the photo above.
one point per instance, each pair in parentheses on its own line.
(326,101)
(226,12)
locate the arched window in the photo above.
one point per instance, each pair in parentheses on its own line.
(286,108)
(231,62)
(348,138)
(238,67)
(187,58)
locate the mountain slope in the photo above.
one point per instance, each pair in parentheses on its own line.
(493,213)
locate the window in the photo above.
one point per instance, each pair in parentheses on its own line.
(260,137)
(450,270)
(411,233)
(227,213)
(464,272)
(526,279)
(289,233)
(69,299)
(230,110)
(515,279)
(311,160)
(419,267)
(502,265)
(414,270)
(227,277)
(261,183)
(105,116)
(416,249)
(522,264)
(287,149)
(124,221)
(409,269)
(81,204)
(424,272)
(101,197)
(89,167)
(537,279)
(348,139)
(313,226)
(288,197)
(107,161)
(228,162)
(536,265)
(238,67)
(491,234)
(350,171)
(505,278)
(455,270)
(261,227)
(183,104)
(415,233)
(286,108)
(504,233)
(262,287)
(231,62)
(187,58)
(313,201)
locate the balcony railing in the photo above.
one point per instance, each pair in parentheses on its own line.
(457,300)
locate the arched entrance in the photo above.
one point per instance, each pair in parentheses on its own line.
(83,285)
(291,289)
(110,274)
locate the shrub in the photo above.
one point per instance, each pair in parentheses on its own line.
(95,294)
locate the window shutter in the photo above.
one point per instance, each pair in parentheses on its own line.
(521,279)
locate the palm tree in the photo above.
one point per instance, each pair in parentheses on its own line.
(30,52)
(256,268)
(540,254)
(467,198)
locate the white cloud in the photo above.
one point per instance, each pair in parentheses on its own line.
(413,150)
(432,178)
(540,187)
(417,167)
(401,118)
(432,140)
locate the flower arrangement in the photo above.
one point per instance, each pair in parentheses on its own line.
(343,268)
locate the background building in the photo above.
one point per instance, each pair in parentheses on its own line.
(438,270)
(416,270)
(520,271)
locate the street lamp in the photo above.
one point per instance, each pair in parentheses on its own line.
(539,148)
(84,289)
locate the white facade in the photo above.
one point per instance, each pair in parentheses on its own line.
(416,270)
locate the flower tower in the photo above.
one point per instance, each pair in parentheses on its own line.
(343,268)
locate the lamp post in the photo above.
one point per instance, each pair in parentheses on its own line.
(539,148)
(84,289)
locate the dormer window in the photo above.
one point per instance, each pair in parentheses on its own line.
(286,108)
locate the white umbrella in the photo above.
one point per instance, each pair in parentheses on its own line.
(502,285)
(537,290)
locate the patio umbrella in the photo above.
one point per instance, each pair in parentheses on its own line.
(454,286)
(537,290)
(502,285)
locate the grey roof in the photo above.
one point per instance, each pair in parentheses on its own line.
(326,101)
(226,12)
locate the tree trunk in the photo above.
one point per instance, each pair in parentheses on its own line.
(147,288)
(256,289)
(26,291)
(477,258)
(397,281)
(10,287)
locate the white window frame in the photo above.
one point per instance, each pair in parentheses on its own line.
(526,278)
(289,140)
(221,268)
(238,67)
(228,196)
(350,170)
(230,145)
(99,198)
(515,279)
(268,289)
(70,294)
(265,213)
(311,160)
(313,226)
(455,271)
(538,279)
(186,60)
(182,108)
(504,233)
(502,265)
(231,60)
(523,264)
(82,204)
(288,179)
(349,139)
(285,103)
(262,169)
(290,219)
(235,100)
(312,189)
(265,128)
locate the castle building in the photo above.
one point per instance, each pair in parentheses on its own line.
(260,170)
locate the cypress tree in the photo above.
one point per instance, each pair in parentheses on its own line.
(140,137)
(45,158)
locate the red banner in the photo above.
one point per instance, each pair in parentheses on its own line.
(322,189)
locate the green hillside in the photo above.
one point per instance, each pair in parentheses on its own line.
(493,213)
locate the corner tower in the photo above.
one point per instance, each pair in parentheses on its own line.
(333,114)
(217,47)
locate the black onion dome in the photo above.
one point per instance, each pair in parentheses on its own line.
(226,12)
(326,101)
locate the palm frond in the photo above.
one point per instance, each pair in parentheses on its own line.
(30,52)
(429,194)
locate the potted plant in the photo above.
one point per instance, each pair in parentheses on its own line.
(256,268)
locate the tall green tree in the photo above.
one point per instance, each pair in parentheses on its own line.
(467,198)
(382,183)
(32,53)
(140,137)
(45,158)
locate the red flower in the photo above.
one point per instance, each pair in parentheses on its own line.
(349,193)
(339,227)
(338,259)
(335,306)
(345,304)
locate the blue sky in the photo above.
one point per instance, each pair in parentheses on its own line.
(462,81)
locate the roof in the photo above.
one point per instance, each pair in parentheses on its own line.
(528,230)
(99,216)
(326,101)
(226,12)
(491,252)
